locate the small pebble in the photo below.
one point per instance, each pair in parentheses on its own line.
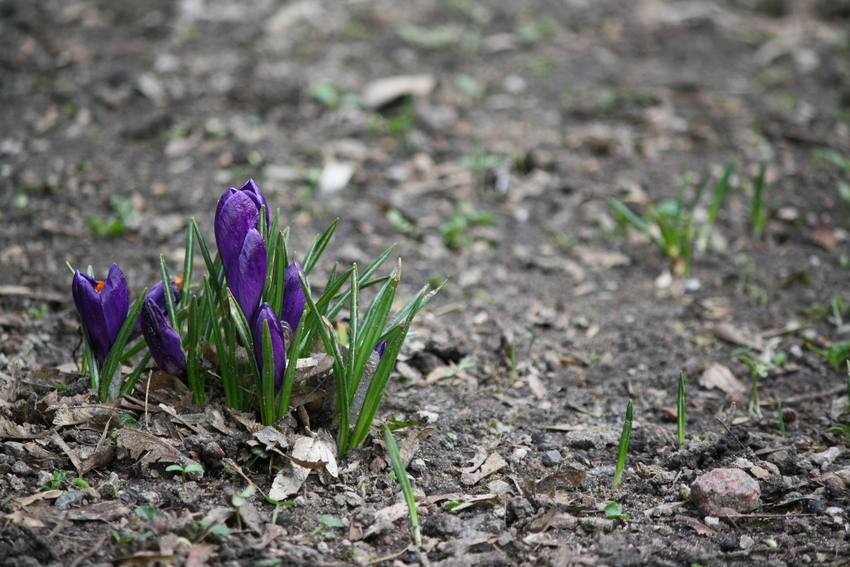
(20,468)
(552,458)
(814,506)
(68,499)
(728,545)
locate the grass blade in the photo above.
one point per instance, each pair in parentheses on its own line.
(404,482)
(133,378)
(623,449)
(680,411)
(193,353)
(188,268)
(168,291)
(318,247)
(637,222)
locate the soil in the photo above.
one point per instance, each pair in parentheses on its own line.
(122,120)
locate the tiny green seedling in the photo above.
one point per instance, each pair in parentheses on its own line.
(81,483)
(623,449)
(680,411)
(184,471)
(146,512)
(239,499)
(327,522)
(55,483)
(614,511)
(758,369)
(278,504)
(758,213)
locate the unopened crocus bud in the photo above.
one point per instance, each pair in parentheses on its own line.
(157,295)
(266,313)
(103,307)
(294,300)
(163,341)
(238,211)
(248,277)
(381,347)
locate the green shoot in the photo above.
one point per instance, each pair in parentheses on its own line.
(614,511)
(758,213)
(55,482)
(239,499)
(404,482)
(758,369)
(623,449)
(680,411)
(184,471)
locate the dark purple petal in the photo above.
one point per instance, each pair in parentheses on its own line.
(237,213)
(157,294)
(294,300)
(252,190)
(163,341)
(115,298)
(103,307)
(87,300)
(248,276)
(266,313)
(381,347)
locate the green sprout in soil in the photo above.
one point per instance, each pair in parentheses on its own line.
(327,522)
(239,499)
(122,208)
(670,225)
(758,212)
(680,411)
(404,482)
(184,471)
(456,230)
(758,369)
(614,511)
(55,482)
(623,449)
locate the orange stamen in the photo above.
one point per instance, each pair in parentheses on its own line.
(99,286)
(178,281)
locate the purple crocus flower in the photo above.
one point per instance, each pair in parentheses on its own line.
(381,347)
(163,341)
(238,211)
(103,307)
(294,299)
(266,313)
(157,294)
(248,276)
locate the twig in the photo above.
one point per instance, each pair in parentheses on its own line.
(729,431)
(90,552)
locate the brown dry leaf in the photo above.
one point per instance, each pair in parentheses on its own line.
(600,259)
(272,439)
(23,519)
(308,453)
(158,449)
(537,387)
(11,430)
(477,500)
(288,481)
(200,555)
(411,443)
(246,420)
(72,455)
(103,455)
(477,460)
(695,525)
(493,463)
(760,473)
(40,453)
(107,511)
(16,504)
(731,334)
(720,377)
(824,236)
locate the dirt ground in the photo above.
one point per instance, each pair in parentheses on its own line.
(121,120)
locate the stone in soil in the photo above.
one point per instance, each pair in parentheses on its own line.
(725,488)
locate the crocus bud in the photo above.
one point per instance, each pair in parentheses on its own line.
(266,313)
(163,341)
(157,294)
(381,347)
(248,276)
(103,307)
(238,211)
(294,299)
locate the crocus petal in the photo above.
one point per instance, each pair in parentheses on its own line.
(163,341)
(115,298)
(381,347)
(248,276)
(103,307)
(251,189)
(294,299)
(237,213)
(157,294)
(266,313)
(87,300)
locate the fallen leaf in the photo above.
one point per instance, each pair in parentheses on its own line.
(720,377)
(493,463)
(107,511)
(156,448)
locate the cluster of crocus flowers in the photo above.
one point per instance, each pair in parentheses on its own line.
(103,306)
